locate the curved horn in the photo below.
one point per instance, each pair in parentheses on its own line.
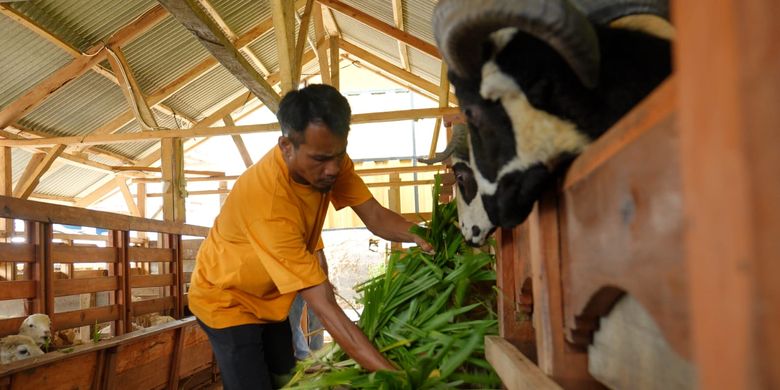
(461,27)
(458,145)
(605,11)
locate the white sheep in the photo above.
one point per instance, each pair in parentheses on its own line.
(17,347)
(38,328)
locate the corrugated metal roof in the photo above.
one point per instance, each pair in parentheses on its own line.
(208,90)
(68,181)
(164,53)
(27,60)
(242,15)
(134,150)
(379,9)
(368,38)
(417,19)
(424,65)
(82,23)
(78,108)
(265,49)
(19,160)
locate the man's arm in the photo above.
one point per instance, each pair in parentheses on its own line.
(321,299)
(387,224)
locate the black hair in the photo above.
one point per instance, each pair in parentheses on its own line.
(316,103)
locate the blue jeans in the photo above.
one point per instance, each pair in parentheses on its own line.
(302,347)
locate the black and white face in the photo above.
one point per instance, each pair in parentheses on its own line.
(475,223)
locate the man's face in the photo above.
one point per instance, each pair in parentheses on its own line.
(317,160)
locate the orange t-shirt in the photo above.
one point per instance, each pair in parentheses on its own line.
(261,249)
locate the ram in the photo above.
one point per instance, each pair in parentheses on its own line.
(537,80)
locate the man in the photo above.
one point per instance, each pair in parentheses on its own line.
(262,248)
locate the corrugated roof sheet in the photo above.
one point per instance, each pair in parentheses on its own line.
(78,108)
(27,60)
(417,19)
(68,181)
(208,90)
(164,53)
(82,23)
(19,160)
(368,38)
(379,9)
(134,150)
(265,49)
(242,15)
(424,65)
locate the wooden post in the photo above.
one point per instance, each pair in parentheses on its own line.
(124,295)
(173,180)
(46,271)
(728,64)
(6,189)
(556,357)
(394,201)
(514,322)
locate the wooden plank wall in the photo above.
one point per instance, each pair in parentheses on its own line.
(171,355)
(661,240)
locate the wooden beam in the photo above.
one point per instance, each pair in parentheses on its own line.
(131,89)
(239,143)
(172,164)
(398,18)
(132,207)
(6,186)
(382,27)
(141,199)
(335,63)
(37,94)
(330,22)
(515,370)
(192,17)
(209,9)
(409,77)
(159,170)
(303,34)
(238,102)
(321,48)
(444,95)
(33,173)
(284,30)
(198,131)
(46,212)
(728,64)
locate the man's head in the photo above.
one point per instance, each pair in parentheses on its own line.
(315,124)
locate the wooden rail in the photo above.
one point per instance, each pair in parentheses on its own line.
(167,355)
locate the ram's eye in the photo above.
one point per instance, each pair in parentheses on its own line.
(24,351)
(459,177)
(31,325)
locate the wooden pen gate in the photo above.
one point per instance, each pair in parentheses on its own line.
(144,273)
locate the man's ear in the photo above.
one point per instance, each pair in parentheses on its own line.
(285,145)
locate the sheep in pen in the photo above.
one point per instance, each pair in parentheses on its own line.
(538,80)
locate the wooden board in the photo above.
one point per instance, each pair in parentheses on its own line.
(153,305)
(516,371)
(82,254)
(138,281)
(64,287)
(622,226)
(20,253)
(20,289)
(138,254)
(512,272)
(75,373)
(144,364)
(72,319)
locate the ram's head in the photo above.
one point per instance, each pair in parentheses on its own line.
(537,81)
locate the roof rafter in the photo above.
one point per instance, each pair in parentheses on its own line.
(37,94)
(395,71)
(212,12)
(398,18)
(37,166)
(192,17)
(382,27)
(203,131)
(284,30)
